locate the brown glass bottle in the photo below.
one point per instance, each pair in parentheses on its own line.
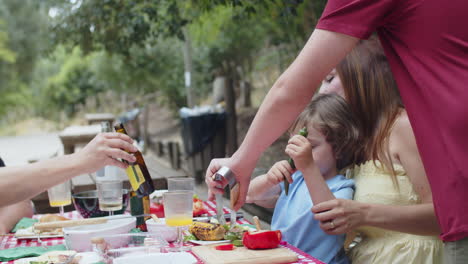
(137,172)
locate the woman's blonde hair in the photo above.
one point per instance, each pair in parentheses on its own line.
(373,96)
(330,114)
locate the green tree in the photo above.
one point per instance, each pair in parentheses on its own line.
(115,25)
(71,84)
(6,55)
(26,23)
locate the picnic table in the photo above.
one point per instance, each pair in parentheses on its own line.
(11,242)
(74,135)
(100,117)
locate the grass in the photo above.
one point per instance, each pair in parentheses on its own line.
(29,126)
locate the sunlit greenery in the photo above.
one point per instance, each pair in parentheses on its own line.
(56,54)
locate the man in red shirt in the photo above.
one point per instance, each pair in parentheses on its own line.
(426,42)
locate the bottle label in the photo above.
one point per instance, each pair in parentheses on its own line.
(135,176)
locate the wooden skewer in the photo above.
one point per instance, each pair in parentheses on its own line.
(257,223)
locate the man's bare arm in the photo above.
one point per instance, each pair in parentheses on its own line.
(24,182)
(283,103)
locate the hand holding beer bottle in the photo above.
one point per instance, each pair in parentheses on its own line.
(141,183)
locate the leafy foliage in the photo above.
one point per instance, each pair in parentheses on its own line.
(56,53)
(116,25)
(21,39)
(6,55)
(72,84)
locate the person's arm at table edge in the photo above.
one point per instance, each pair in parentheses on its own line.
(32,179)
(11,214)
(18,183)
(290,94)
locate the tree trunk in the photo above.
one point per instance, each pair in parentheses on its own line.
(245,91)
(188,69)
(231,122)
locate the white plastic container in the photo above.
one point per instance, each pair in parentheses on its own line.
(131,244)
(167,232)
(78,238)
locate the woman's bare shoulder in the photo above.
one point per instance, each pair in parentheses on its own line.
(402,126)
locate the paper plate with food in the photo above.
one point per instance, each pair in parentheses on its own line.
(30,233)
(65,256)
(214,233)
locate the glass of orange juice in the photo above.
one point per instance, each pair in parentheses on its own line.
(60,195)
(178,210)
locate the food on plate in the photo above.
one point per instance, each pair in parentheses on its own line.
(198,207)
(52,218)
(235,234)
(30,231)
(225,247)
(207,231)
(263,239)
(53,257)
(238,243)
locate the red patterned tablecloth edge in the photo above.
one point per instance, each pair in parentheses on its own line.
(11,242)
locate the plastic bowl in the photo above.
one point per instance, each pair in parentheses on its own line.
(79,237)
(168,258)
(87,204)
(167,232)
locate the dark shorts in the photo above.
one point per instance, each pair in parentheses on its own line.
(456,252)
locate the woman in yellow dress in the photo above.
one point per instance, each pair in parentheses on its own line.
(392,208)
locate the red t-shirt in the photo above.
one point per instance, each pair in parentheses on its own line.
(426,42)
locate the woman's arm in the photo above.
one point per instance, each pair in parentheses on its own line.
(18,183)
(347,215)
(404,149)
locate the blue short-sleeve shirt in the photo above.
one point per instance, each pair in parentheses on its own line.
(292,215)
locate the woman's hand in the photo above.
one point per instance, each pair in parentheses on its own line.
(300,150)
(279,171)
(339,216)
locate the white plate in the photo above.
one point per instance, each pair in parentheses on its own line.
(167,258)
(27,233)
(203,243)
(36,236)
(86,258)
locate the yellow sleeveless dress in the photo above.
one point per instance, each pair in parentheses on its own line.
(380,246)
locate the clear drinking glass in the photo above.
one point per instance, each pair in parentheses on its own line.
(178,210)
(60,195)
(109,195)
(180,184)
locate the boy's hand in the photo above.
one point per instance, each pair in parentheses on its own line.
(300,150)
(280,171)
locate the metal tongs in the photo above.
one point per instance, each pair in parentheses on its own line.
(226,173)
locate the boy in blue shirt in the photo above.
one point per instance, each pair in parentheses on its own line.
(332,144)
